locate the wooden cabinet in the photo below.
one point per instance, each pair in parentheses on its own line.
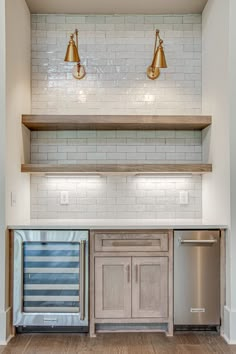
(131,281)
(149,287)
(114,297)
(113,287)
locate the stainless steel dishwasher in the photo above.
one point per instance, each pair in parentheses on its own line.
(197,279)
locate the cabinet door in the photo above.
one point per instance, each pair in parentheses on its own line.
(112,287)
(149,287)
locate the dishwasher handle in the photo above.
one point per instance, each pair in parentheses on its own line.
(82,279)
(198,242)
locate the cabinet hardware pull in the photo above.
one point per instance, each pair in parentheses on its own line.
(128,273)
(135,243)
(136,272)
(210,242)
(82,278)
(22,280)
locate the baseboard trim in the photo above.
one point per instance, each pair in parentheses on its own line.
(5,327)
(228,332)
(228,341)
(6,341)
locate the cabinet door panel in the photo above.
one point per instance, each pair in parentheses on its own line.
(149,287)
(113,287)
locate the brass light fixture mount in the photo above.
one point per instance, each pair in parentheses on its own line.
(72,55)
(159,60)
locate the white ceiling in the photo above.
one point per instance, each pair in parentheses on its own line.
(154,7)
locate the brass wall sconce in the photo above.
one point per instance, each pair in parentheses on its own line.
(159,60)
(72,55)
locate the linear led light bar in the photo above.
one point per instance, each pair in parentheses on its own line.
(165,175)
(72,175)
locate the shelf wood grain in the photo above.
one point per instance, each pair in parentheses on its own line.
(116,169)
(115,122)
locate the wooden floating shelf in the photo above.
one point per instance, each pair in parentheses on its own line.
(113,122)
(117,169)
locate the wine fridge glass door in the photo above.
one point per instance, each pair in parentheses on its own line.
(51,277)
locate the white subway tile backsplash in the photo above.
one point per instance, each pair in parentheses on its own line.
(106,148)
(115,197)
(44,148)
(173,19)
(38,157)
(116,50)
(116,146)
(67,148)
(144,148)
(76,156)
(57,156)
(115,156)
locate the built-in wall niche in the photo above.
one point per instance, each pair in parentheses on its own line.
(128,145)
(120,169)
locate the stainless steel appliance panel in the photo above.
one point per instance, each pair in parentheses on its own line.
(197,278)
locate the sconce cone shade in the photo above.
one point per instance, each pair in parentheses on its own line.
(72,54)
(159,60)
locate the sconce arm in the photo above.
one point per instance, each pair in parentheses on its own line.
(160,40)
(155,45)
(77,37)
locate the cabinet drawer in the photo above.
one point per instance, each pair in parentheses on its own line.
(131,242)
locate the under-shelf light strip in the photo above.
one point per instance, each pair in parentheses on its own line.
(94,175)
(165,175)
(72,175)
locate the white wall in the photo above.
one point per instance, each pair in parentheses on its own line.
(2,172)
(18,91)
(219,190)
(232,105)
(215,90)
(15,94)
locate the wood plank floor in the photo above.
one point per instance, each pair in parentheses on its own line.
(128,343)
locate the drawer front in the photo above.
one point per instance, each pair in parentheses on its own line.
(131,242)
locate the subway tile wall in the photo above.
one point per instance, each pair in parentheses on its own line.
(84,147)
(116,197)
(116,51)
